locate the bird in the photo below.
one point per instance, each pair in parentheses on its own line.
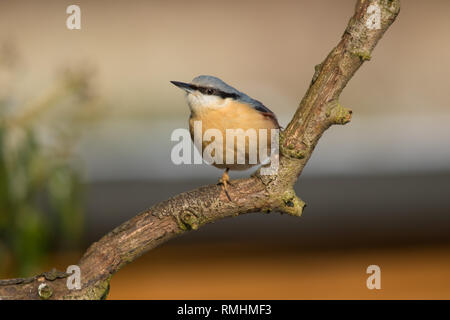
(219,106)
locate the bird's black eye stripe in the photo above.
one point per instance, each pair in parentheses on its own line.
(216,92)
(225,95)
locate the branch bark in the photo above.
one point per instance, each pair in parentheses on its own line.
(318,110)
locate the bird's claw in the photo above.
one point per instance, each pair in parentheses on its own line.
(225,181)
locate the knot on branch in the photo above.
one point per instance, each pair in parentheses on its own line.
(291,150)
(188,220)
(291,204)
(337,113)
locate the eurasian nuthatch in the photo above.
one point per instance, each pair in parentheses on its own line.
(219,106)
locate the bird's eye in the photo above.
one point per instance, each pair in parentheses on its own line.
(209,91)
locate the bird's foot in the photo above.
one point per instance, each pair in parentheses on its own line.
(225,181)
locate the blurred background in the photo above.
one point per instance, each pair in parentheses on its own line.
(85,123)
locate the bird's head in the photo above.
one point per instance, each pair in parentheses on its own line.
(208,92)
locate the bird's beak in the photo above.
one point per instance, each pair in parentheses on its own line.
(185,86)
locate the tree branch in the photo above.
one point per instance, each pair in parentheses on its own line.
(318,110)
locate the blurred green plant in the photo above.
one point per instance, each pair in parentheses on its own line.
(41,190)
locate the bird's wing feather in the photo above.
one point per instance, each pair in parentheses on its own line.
(265,111)
(260,107)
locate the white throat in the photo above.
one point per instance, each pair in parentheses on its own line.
(199,102)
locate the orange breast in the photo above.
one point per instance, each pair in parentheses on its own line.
(240,147)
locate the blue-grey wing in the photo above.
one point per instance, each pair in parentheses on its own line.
(257,105)
(265,111)
(260,107)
